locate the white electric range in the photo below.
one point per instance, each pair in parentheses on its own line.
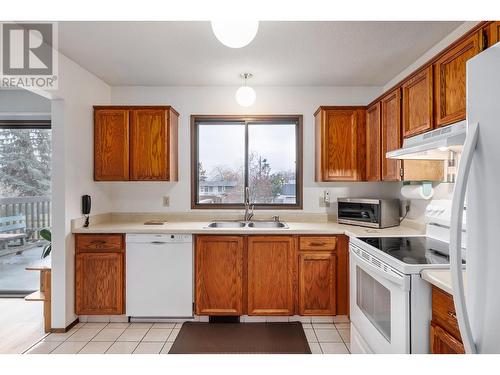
(390,304)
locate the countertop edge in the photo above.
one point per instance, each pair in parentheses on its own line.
(441,279)
(295,228)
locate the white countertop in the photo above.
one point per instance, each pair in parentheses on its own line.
(441,279)
(200,227)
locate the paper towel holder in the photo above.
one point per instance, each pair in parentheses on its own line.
(425,192)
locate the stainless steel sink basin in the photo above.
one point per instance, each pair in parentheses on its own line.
(226,224)
(247,225)
(267,224)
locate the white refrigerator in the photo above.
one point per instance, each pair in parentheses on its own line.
(478,181)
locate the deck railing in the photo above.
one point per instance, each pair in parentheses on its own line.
(37,211)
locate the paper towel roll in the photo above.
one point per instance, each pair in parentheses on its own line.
(416,192)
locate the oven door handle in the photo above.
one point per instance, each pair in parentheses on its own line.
(399,280)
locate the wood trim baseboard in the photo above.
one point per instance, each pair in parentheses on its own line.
(64,330)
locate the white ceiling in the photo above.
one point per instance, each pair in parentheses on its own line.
(282,54)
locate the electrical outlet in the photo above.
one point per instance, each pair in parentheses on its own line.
(166,201)
(323,202)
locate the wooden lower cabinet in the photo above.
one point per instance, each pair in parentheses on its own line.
(219,275)
(444,331)
(100,278)
(444,343)
(271,274)
(317,273)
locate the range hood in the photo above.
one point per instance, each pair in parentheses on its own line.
(439,144)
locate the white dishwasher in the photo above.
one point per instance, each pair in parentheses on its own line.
(159,275)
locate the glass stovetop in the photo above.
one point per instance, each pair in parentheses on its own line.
(412,250)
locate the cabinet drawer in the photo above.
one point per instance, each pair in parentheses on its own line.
(318,243)
(443,312)
(97,242)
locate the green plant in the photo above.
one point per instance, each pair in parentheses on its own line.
(47,236)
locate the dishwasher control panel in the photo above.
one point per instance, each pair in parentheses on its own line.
(169,238)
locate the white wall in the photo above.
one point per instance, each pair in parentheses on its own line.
(12,101)
(147,197)
(72,166)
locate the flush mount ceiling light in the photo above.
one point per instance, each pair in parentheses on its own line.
(245,95)
(235,33)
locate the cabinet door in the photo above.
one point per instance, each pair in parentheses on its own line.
(373,149)
(317,274)
(149,154)
(219,275)
(417,103)
(444,343)
(271,270)
(99,283)
(450,79)
(111,145)
(489,35)
(340,146)
(391,134)
(495,33)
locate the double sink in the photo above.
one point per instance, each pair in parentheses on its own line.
(248,224)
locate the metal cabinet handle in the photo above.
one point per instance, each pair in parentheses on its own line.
(451,314)
(98,242)
(317,244)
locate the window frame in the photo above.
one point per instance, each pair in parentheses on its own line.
(297,119)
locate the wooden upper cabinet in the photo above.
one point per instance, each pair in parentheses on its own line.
(391,134)
(489,35)
(271,275)
(135,143)
(373,146)
(100,274)
(219,275)
(495,33)
(148,144)
(317,275)
(111,145)
(450,81)
(417,103)
(340,143)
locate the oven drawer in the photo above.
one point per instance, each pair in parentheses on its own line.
(443,312)
(317,243)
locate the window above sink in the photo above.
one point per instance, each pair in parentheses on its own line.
(231,153)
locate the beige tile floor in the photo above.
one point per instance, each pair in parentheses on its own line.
(157,338)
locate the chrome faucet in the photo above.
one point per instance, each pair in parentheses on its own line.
(248,214)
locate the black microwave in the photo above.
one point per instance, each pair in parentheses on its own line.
(373,213)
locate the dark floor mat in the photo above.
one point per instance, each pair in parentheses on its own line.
(241,338)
